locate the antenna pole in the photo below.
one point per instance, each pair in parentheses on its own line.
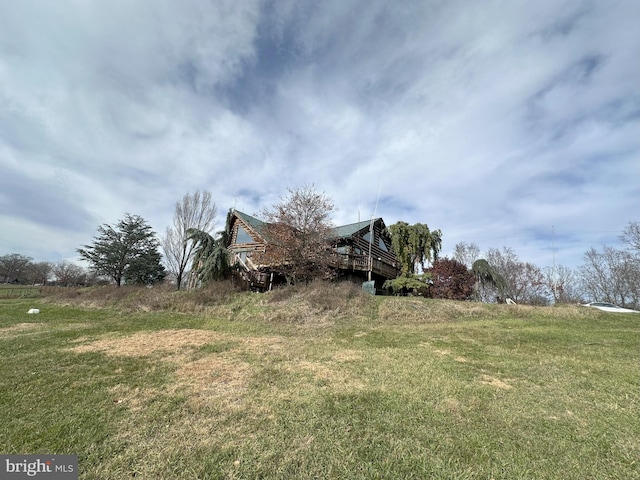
(371,233)
(553,272)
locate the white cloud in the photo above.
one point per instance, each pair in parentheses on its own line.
(491,121)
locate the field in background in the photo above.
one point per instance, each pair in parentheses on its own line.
(18,291)
(318,382)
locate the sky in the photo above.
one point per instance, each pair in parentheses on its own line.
(501,123)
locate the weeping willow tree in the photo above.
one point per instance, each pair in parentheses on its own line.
(488,279)
(211,257)
(414,245)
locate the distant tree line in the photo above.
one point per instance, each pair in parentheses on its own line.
(20,269)
(608,275)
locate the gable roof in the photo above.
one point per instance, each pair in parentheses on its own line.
(336,233)
(346,231)
(253,222)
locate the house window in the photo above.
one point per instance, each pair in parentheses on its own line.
(367,237)
(243,255)
(382,245)
(243,236)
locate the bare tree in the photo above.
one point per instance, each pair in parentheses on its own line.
(466,253)
(195,211)
(524,281)
(69,274)
(14,266)
(39,273)
(631,236)
(562,285)
(611,276)
(297,230)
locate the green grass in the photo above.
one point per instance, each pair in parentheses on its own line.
(298,385)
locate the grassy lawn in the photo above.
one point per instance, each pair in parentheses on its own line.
(321,385)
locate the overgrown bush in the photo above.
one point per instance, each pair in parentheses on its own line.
(321,297)
(451,280)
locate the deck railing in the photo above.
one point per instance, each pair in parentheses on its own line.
(364,263)
(360,263)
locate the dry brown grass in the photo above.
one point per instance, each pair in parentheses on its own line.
(402,310)
(495,382)
(220,378)
(31,328)
(321,295)
(136,298)
(317,304)
(147,343)
(18,329)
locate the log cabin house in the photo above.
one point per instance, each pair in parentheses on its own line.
(358,256)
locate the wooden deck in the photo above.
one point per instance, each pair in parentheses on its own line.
(364,263)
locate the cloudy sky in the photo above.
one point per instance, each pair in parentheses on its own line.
(502,123)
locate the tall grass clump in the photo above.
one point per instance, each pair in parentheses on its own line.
(320,301)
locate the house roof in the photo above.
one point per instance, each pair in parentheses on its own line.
(253,222)
(346,231)
(343,231)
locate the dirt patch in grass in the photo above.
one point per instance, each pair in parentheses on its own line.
(451,406)
(443,352)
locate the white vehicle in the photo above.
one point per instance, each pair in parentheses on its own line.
(609,307)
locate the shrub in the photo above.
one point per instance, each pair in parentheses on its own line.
(451,280)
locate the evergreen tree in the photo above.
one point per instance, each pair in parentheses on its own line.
(128,252)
